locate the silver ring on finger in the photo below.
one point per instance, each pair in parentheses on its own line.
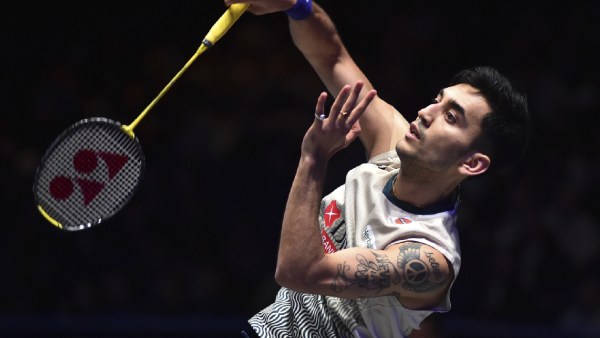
(320,117)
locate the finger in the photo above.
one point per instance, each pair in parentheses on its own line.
(352,98)
(351,136)
(320,108)
(230,2)
(339,102)
(360,108)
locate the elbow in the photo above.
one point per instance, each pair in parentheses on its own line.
(301,272)
(288,277)
(282,277)
(294,278)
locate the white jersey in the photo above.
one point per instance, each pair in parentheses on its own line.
(364,213)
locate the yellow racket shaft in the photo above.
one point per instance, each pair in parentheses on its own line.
(219,28)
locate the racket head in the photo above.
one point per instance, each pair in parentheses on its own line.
(89,173)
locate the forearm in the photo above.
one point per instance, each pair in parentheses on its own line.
(318,40)
(300,243)
(316,36)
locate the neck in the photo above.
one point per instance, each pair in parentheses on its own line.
(423,190)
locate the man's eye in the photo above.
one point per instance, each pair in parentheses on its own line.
(435,100)
(450,117)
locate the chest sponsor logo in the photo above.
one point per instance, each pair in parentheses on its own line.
(331,213)
(400,220)
(328,245)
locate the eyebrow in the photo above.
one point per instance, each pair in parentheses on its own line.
(453,104)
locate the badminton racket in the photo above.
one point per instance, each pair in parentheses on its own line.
(93,168)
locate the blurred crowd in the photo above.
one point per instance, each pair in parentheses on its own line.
(200,235)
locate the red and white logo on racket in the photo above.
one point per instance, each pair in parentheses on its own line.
(85,162)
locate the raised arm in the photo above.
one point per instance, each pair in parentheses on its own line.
(317,38)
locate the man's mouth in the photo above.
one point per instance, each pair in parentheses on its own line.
(414,130)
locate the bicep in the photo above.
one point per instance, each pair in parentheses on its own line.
(409,270)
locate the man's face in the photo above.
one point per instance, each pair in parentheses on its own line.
(441,136)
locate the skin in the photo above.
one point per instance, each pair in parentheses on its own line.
(435,150)
(434,160)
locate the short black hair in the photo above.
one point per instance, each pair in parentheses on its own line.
(505,131)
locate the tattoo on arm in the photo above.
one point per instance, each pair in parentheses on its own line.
(378,273)
(419,275)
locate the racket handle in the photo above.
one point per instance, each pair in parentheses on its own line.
(224,23)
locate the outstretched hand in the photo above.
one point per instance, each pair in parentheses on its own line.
(330,134)
(260,7)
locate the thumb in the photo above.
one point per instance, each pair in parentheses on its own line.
(353,134)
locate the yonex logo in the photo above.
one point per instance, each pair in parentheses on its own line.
(85,162)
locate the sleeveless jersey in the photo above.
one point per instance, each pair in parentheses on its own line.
(364,213)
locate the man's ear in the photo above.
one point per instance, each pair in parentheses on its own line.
(475,164)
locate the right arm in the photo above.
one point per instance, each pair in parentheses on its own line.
(318,40)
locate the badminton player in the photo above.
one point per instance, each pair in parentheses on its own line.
(379,254)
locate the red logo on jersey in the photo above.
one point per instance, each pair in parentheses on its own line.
(402,220)
(328,245)
(331,214)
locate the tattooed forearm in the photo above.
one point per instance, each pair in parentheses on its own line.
(376,274)
(420,274)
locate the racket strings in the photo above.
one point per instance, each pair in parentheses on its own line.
(89,174)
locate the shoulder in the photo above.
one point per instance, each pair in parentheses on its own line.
(373,175)
(388,159)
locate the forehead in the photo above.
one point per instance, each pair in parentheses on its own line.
(469,98)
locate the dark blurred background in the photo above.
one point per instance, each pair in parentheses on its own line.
(193,253)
